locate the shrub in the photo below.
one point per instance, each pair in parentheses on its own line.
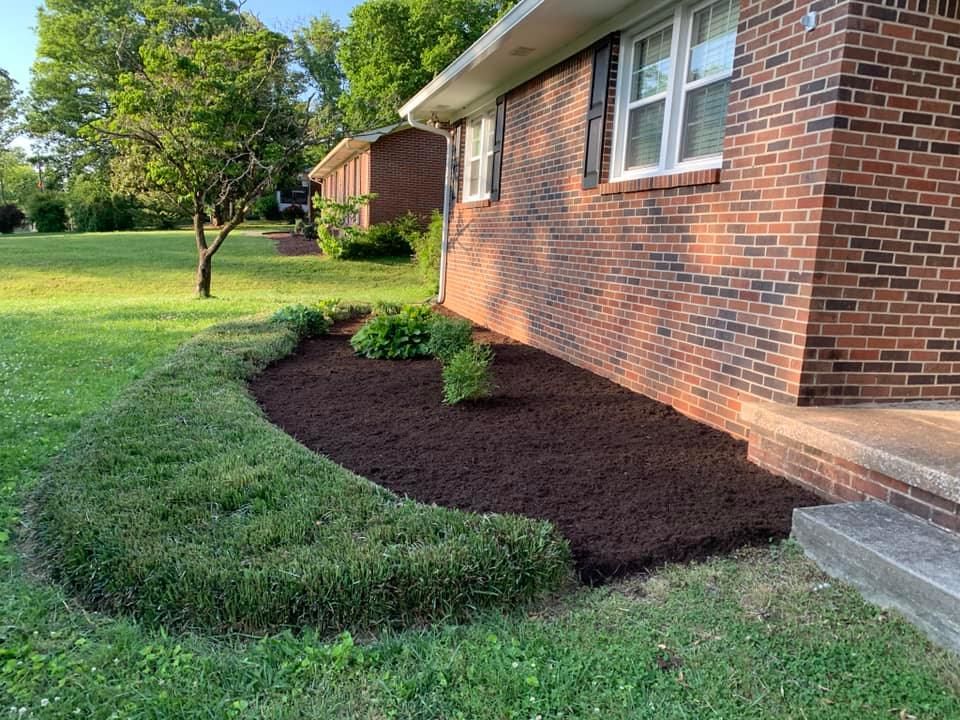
(467,375)
(304,320)
(292,213)
(381,240)
(426,247)
(338,311)
(11,217)
(448,336)
(181,505)
(335,223)
(386,308)
(103,213)
(267,208)
(48,212)
(401,336)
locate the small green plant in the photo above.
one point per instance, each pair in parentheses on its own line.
(400,336)
(336,223)
(382,307)
(467,375)
(448,336)
(48,212)
(305,320)
(338,311)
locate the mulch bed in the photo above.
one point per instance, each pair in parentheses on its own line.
(289,244)
(629,481)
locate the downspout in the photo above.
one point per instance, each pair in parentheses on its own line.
(447,194)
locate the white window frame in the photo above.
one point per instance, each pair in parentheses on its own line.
(486,121)
(674,110)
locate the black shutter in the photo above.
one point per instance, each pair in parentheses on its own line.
(597,113)
(454,188)
(497,162)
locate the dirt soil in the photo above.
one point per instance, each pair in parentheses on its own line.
(629,481)
(290,244)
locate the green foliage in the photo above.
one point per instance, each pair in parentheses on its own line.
(18,178)
(398,336)
(9,108)
(306,230)
(315,47)
(392,48)
(304,320)
(335,222)
(163,507)
(11,217)
(377,241)
(266,207)
(466,376)
(94,207)
(427,247)
(48,212)
(448,336)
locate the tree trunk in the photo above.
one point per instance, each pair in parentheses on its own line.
(204,273)
(204,257)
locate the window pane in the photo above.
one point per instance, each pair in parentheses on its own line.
(703,124)
(473,186)
(714,37)
(489,128)
(644,134)
(476,138)
(651,64)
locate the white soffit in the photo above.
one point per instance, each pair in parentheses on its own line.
(532,37)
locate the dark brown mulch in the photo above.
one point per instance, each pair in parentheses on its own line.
(289,244)
(629,481)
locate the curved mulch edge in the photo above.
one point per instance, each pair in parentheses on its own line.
(629,481)
(292,245)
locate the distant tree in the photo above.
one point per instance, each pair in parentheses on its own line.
(392,48)
(18,178)
(210,119)
(9,108)
(316,47)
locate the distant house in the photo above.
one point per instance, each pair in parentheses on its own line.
(402,165)
(714,202)
(298,194)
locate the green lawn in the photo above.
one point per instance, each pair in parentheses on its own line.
(760,635)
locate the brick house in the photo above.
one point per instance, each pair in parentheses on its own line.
(714,203)
(402,165)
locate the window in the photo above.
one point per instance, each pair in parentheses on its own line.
(479,157)
(672,91)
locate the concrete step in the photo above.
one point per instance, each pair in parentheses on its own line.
(896,560)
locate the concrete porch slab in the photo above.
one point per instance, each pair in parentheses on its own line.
(915,443)
(893,558)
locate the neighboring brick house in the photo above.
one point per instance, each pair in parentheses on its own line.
(766,206)
(403,166)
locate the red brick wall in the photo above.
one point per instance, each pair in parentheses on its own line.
(698,295)
(885,316)
(350,179)
(407,174)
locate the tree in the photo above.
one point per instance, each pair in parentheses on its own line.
(18,179)
(316,47)
(392,48)
(9,111)
(209,119)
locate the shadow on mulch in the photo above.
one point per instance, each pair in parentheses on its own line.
(629,481)
(289,244)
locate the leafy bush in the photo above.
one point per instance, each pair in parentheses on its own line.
(163,507)
(467,375)
(336,226)
(387,308)
(11,217)
(426,248)
(338,311)
(448,336)
(267,207)
(104,213)
(48,212)
(401,336)
(292,213)
(380,240)
(304,320)
(305,229)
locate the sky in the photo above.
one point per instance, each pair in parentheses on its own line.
(18,43)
